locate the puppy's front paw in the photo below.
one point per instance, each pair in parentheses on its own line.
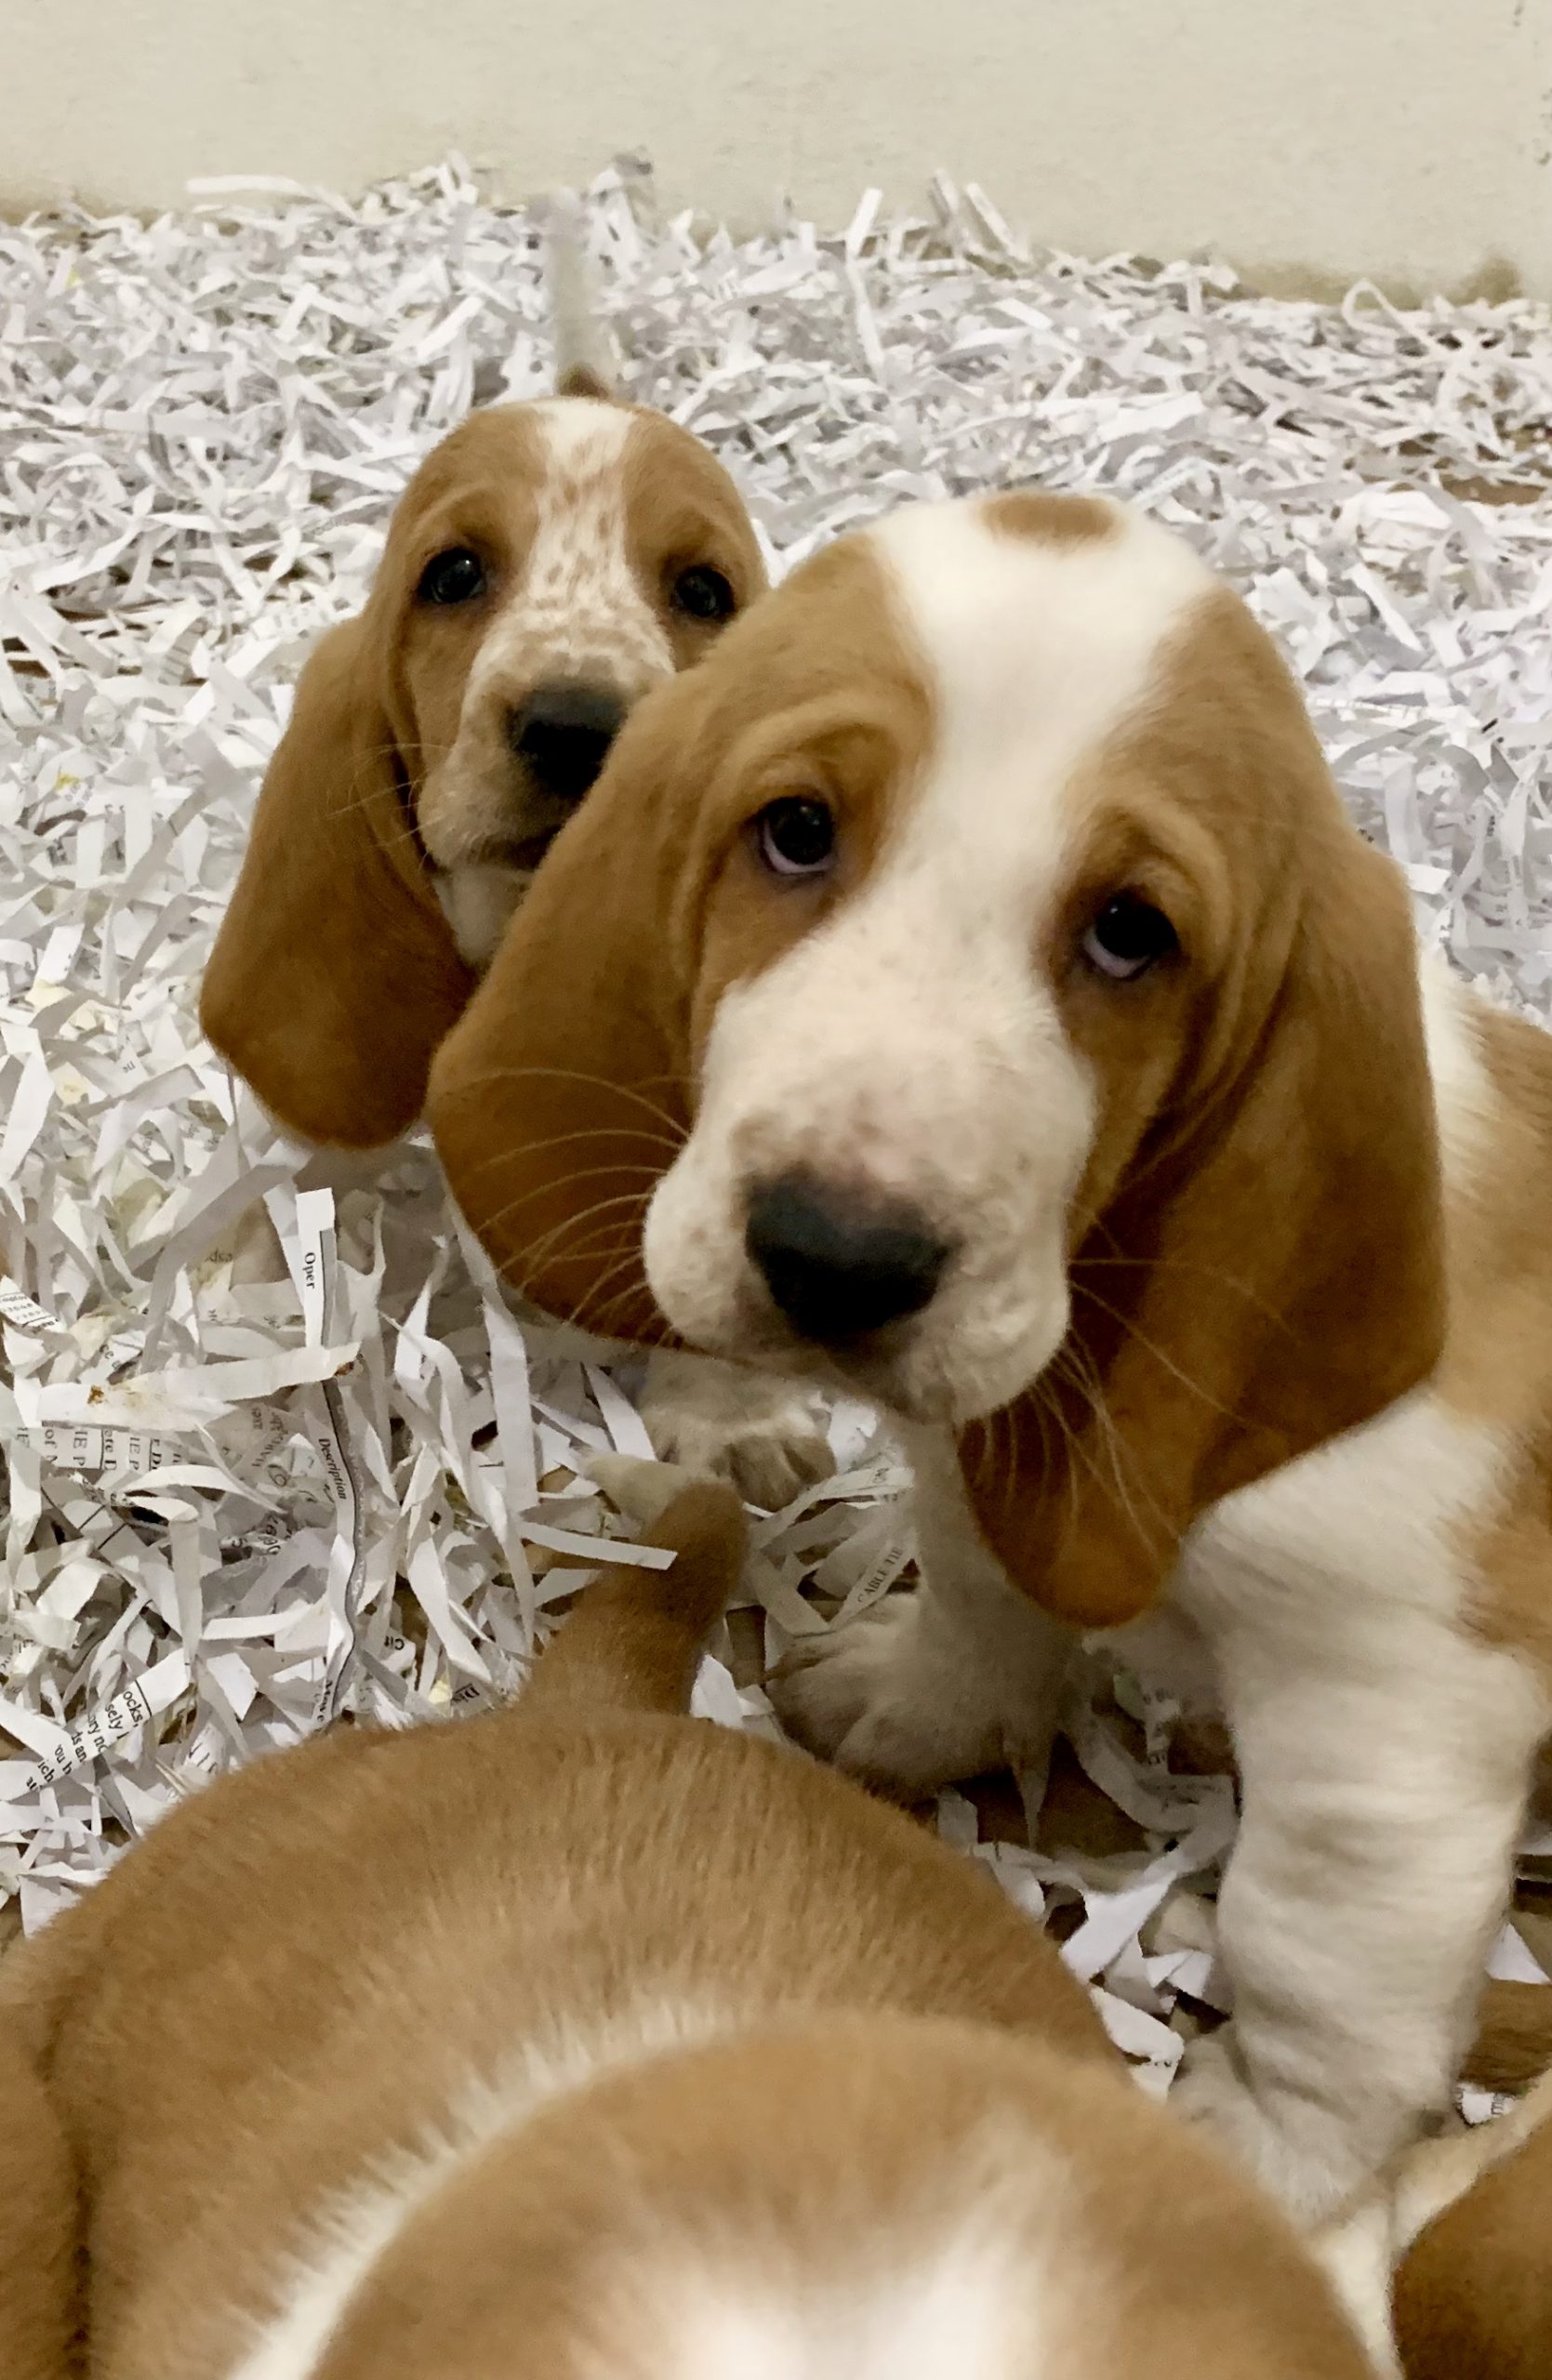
(1297,2149)
(761,1435)
(879,1697)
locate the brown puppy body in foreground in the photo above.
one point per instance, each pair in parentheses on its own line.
(585,2039)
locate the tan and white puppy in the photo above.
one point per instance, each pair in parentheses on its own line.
(587,2041)
(547,564)
(1051,1063)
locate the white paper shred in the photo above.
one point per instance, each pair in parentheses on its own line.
(235,1508)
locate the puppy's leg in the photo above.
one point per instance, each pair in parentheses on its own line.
(1373,1861)
(962,1675)
(1384,1750)
(763,1435)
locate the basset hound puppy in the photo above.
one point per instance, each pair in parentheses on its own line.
(1049,1060)
(547,564)
(487,2049)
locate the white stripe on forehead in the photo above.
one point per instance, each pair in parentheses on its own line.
(576,607)
(583,434)
(1036,650)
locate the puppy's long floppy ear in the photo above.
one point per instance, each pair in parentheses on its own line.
(335,974)
(1272,1281)
(562,1096)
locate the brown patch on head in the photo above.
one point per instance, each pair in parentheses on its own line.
(691,548)
(651,904)
(1050,519)
(842,715)
(479,492)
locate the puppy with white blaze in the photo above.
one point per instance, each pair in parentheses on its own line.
(547,564)
(1052,1061)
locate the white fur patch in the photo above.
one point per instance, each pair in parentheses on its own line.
(909,1047)
(352,2232)
(961,2310)
(1037,652)
(574,611)
(578,606)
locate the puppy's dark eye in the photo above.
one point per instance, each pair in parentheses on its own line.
(796,836)
(456,577)
(704,593)
(1127,936)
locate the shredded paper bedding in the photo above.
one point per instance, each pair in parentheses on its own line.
(236,1509)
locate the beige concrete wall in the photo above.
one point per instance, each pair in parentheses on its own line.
(1306,139)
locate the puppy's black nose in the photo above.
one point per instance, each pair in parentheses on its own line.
(563,734)
(836,1267)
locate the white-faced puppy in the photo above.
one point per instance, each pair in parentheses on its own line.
(1051,1063)
(589,2042)
(547,564)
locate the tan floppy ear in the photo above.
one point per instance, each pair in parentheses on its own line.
(335,974)
(1274,1279)
(562,1095)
